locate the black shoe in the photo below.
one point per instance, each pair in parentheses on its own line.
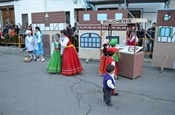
(109,104)
(34,59)
(115,94)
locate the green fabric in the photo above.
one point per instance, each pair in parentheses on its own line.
(113,42)
(55,61)
(116,58)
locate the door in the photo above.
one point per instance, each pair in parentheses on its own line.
(8,15)
(68,17)
(46,44)
(24,19)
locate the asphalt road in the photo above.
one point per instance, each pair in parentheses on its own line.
(27,89)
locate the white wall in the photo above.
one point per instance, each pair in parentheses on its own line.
(26,6)
(31,6)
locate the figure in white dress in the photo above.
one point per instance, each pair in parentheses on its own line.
(30,44)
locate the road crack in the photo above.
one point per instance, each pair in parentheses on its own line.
(143,95)
(81,88)
(91,88)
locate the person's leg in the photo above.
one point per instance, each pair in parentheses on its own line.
(140,42)
(108,97)
(148,45)
(114,93)
(104,95)
(38,58)
(152,47)
(30,54)
(24,49)
(42,58)
(34,55)
(116,71)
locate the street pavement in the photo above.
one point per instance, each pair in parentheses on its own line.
(27,89)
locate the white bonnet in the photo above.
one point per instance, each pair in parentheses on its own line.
(28,31)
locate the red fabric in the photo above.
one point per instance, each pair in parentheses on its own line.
(109,60)
(116,64)
(102,69)
(71,64)
(112,49)
(131,43)
(113,91)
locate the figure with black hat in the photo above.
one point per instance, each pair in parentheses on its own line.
(108,84)
(71,64)
(110,61)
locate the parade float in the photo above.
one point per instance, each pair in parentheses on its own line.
(164,43)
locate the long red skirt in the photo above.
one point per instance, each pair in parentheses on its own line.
(102,66)
(71,64)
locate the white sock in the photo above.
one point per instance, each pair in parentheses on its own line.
(34,57)
(30,56)
(42,57)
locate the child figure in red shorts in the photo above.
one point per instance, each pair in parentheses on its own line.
(110,61)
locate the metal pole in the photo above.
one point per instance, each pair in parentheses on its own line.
(144,38)
(135,38)
(125,4)
(101,39)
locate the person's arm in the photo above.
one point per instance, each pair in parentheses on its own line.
(119,56)
(39,37)
(26,42)
(136,39)
(64,42)
(52,48)
(113,63)
(109,83)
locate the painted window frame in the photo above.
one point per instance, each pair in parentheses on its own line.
(86,41)
(167,36)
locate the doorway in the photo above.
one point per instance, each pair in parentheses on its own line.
(7,14)
(68,17)
(24,19)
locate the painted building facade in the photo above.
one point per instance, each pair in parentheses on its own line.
(22,11)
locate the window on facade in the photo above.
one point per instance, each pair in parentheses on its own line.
(90,40)
(86,17)
(118,16)
(166,34)
(101,17)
